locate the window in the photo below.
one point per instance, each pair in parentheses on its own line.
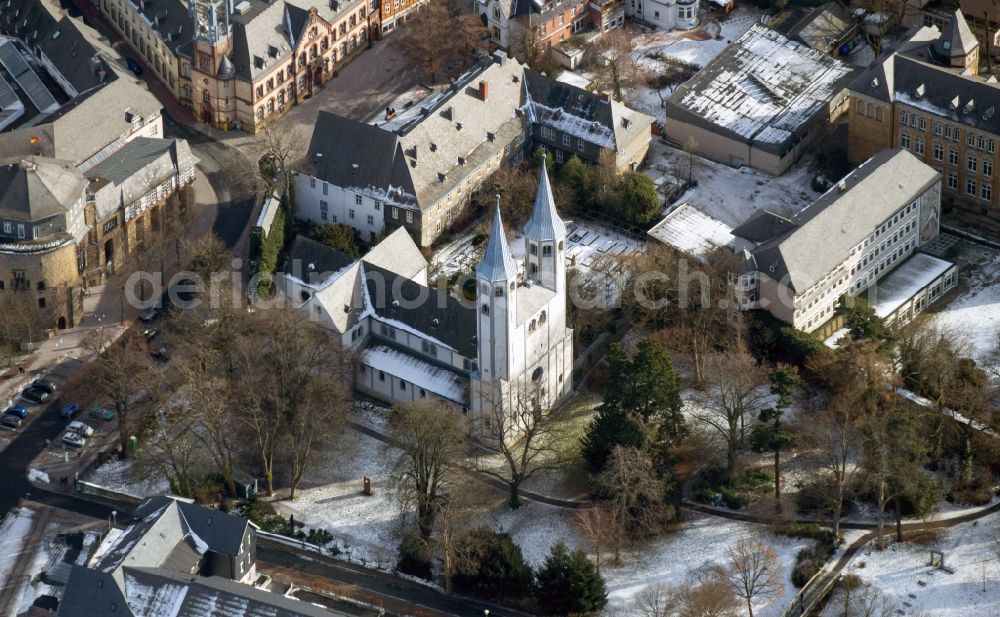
(381,375)
(566,139)
(326,188)
(486,309)
(350,213)
(938,152)
(324,210)
(972,163)
(971,141)
(498,291)
(970,187)
(7,227)
(20,230)
(371,219)
(952,156)
(947,132)
(904,140)
(937,129)
(559,156)
(547,251)
(579,144)
(532,248)
(988,168)
(918,145)
(922,123)
(986,192)
(428,348)
(903,117)
(357,199)
(409,216)
(378,205)
(548,133)
(312,182)
(953,181)
(204,96)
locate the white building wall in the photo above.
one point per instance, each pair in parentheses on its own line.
(324,203)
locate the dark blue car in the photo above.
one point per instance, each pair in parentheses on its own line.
(69,410)
(17,410)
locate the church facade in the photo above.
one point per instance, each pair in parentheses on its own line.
(510,347)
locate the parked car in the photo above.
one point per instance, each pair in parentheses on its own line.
(44,384)
(74,439)
(101,413)
(10,422)
(17,410)
(69,410)
(35,395)
(149,314)
(80,428)
(133,66)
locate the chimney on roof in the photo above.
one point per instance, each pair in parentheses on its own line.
(484,90)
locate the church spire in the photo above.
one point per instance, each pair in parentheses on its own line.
(544,224)
(497,263)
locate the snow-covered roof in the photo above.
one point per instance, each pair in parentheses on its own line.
(573,79)
(442,382)
(763,87)
(691,231)
(906,281)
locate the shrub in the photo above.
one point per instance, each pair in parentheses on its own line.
(345,239)
(319,537)
(494,566)
(270,250)
(808,562)
(815,495)
(413,558)
(569,583)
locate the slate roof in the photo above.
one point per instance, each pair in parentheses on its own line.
(139,154)
(899,75)
(956,39)
(39,24)
(826,230)
(428,149)
(260,39)
(497,264)
(158,592)
(37,188)
(314,259)
(375,158)
(763,225)
(427,310)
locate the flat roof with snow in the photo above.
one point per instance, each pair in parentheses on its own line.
(763,87)
(906,281)
(692,232)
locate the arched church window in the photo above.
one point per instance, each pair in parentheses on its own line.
(531,326)
(542,317)
(534,268)
(560,246)
(537,374)
(532,248)
(486,309)
(512,287)
(546,250)
(498,291)
(485,288)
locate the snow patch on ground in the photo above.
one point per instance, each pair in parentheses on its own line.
(970,551)
(728,194)
(974,314)
(36,475)
(129,478)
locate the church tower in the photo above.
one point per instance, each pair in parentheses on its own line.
(496,281)
(545,240)
(210,19)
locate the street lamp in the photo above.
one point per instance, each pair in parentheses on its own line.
(114,517)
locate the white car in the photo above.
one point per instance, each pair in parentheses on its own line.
(74,439)
(80,428)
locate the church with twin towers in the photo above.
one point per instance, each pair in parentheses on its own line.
(509,351)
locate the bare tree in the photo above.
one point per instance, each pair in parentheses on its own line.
(731,404)
(431,441)
(708,598)
(601,530)
(456,518)
(282,363)
(656,600)
(752,570)
(172,450)
(527,438)
(441,37)
(277,153)
(616,68)
(634,494)
(835,433)
(121,373)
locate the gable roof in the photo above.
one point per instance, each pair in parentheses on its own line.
(426,310)
(397,253)
(910,75)
(826,230)
(308,259)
